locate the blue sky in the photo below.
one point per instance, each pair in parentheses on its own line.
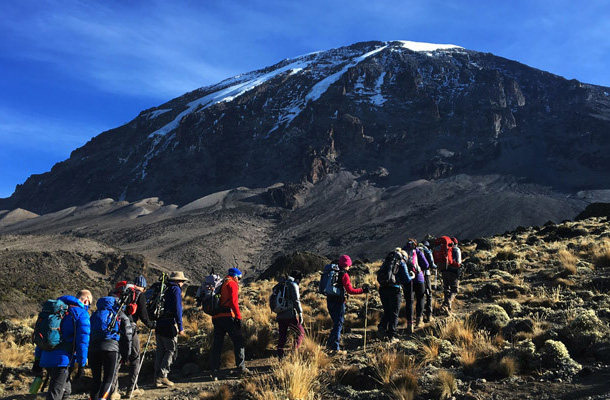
(71,69)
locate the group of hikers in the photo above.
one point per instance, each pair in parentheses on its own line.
(67,337)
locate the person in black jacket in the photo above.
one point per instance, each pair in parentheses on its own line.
(141,314)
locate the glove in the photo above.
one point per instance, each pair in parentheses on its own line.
(366,288)
(238,323)
(36,369)
(154,325)
(411,275)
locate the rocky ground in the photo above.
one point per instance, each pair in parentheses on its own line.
(530,322)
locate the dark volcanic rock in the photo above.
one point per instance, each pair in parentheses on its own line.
(595,210)
(305,262)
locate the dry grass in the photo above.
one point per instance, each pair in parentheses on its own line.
(296,377)
(404,385)
(601,255)
(311,350)
(507,367)
(429,350)
(385,363)
(223,393)
(567,262)
(506,254)
(457,331)
(446,384)
(13,355)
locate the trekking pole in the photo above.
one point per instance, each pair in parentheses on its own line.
(366,318)
(135,381)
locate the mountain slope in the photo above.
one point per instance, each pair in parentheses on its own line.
(399,110)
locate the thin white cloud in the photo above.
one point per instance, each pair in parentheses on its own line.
(32,131)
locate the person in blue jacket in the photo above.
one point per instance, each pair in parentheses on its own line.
(72,353)
(169,327)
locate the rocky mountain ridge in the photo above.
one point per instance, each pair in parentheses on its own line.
(394,111)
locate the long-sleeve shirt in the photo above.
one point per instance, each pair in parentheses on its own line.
(229,298)
(142,313)
(172,307)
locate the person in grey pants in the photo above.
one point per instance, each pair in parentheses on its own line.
(293,317)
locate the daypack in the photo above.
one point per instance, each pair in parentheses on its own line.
(127,295)
(155,298)
(209,294)
(102,325)
(279,300)
(47,331)
(329,282)
(386,276)
(443,254)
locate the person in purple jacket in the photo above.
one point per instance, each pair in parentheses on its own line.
(414,291)
(73,350)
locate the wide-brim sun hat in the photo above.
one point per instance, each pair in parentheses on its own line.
(177,276)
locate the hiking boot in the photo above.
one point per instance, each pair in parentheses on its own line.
(136,393)
(163,382)
(426,319)
(417,322)
(409,329)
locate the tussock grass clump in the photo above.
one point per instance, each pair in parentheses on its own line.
(507,367)
(404,385)
(506,254)
(223,393)
(296,377)
(311,350)
(13,355)
(601,255)
(567,262)
(385,363)
(445,384)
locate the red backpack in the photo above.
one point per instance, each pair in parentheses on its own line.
(127,295)
(443,254)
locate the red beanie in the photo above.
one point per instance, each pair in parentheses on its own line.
(345,261)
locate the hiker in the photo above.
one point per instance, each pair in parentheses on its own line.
(141,314)
(293,317)
(425,249)
(109,324)
(336,304)
(168,328)
(71,354)
(391,276)
(414,290)
(451,275)
(228,321)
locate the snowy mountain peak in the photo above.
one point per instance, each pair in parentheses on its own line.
(426,47)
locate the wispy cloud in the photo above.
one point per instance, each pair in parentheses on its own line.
(34,132)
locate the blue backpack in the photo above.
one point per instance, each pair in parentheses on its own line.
(102,327)
(329,282)
(47,331)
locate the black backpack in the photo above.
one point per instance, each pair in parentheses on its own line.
(386,276)
(155,298)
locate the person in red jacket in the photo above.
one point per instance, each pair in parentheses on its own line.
(336,304)
(229,321)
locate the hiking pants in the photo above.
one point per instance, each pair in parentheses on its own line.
(414,292)
(336,309)
(167,351)
(390,301)
(451,282)
(295,327)
(222,326)
(103,362)
(134,360)
(428,295)
(60,387)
